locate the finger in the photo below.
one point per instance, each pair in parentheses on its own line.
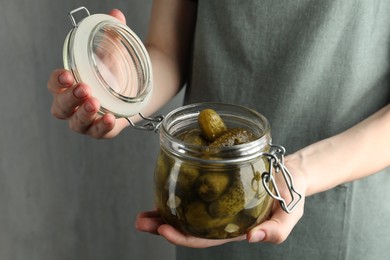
(84,116)
(87,121)
(107,126)
(149,222)
(180,239)
(116,125)
(59,80)
(277,228)
(149,214)
(118,15)
(66,102)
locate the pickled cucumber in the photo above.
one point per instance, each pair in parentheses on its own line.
(201,222)
(234,136)
(211,124)
(211,185)
(231,202)
(261,210)
(194,136)
(162,170)
(186,179)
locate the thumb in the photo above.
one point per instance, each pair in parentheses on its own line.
(118,15)
(277,228)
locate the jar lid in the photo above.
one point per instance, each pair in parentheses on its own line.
(108,56)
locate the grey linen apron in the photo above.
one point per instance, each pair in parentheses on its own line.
(314,68)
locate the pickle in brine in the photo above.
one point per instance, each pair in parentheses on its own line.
(234,136)
(201,222)
(231,202)
(211,124)
(194,136)
(211,185)
(188,173)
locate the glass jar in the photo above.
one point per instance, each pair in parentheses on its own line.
(213,192)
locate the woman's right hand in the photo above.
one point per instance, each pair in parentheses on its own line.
(73,102)
(169,48)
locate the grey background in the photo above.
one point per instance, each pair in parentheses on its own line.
(64,195)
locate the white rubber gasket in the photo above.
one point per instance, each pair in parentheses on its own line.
(85,68)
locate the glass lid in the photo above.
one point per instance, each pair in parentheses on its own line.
(109,57)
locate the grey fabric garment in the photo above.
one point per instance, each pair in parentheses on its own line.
(313,68)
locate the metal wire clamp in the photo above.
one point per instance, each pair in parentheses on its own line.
(276,161)
(153,123)
(71,13)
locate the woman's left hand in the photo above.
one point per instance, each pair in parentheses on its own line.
(275,230)
(151,222)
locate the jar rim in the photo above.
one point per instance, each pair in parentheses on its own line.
(230,154)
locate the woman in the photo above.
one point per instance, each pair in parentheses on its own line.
(319,71)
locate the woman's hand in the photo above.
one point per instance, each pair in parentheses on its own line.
(169,49)
(275,230)
(73,102)
(151,222)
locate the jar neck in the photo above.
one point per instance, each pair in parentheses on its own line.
(185,118)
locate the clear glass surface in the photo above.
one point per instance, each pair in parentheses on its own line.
(119,64)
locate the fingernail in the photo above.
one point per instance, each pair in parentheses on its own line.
(63,79)
(106,120)
(79,92)
(257,236)
(89,107)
